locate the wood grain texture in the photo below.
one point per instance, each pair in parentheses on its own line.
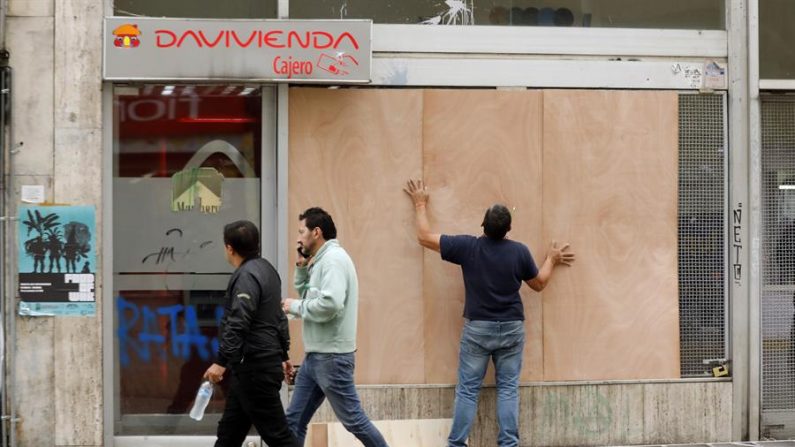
(602,174)
(402,433)
(610,188)
(480,147)
(317,435)
(350,153)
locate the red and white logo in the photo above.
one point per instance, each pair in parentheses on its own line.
(338,64)
(126,36)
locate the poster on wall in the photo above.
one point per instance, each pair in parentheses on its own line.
(57,261)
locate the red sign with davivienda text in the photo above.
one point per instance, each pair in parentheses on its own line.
(319,40)
(312,51)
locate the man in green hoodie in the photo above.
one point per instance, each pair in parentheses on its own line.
(325,278)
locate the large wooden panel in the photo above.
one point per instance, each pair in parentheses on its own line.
(480,147)
(351,151)
(401,433)
(610,188)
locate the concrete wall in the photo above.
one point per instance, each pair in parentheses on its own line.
(574,414)
(56,56)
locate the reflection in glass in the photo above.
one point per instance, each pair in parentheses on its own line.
(186,161)
(676,14)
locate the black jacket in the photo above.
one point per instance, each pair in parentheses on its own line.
(254,325)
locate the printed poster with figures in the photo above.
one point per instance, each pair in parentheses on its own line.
(57,261)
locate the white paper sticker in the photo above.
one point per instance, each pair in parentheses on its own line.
(33,193)
(714,76)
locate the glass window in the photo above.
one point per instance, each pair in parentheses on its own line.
(205,9)
(776,34)
(681,14)
(186,161)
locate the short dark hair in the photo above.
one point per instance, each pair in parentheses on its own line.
(243,237)
(317,217)
(497,222)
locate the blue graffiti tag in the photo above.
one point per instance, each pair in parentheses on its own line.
(183,325)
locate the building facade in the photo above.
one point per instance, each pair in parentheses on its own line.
(572,112)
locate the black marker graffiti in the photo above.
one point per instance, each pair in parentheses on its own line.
(170,253)
(737,242)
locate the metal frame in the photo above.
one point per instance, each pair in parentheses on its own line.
(727,207)
(526,71)
(739,309)
(755,222)
(770,84)
(108,347)
(8,285)
(108,318)
(270,230)
(269,176)
(775,420)
(493,56)
(727,244)
(282,208)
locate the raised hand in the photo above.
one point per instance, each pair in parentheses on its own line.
(418,191)
(560,255)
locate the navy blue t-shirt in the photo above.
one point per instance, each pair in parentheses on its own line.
(493,274)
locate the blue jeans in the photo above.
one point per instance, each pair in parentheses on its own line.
(503,342)
(330,376)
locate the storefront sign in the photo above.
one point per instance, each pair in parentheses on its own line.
(57,260)
(330,51)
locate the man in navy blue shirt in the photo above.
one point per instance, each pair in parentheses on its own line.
(494,268)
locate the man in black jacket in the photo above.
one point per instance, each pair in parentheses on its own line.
(252,344)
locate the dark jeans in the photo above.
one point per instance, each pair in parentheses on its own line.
(254,399)
(330,376)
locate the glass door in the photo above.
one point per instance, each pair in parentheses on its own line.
(187,159)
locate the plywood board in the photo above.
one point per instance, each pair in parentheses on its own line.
(398,433)
(480,147)
(610,188)
(317,435)
(351,150)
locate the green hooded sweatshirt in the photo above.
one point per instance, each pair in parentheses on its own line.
(329,301)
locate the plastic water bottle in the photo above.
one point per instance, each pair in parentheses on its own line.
(202,399)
